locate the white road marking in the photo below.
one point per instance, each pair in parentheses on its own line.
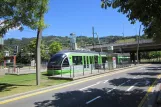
(134,77)
(111,89)
(128,81)
(93,99)
(117,86)
(89,86)
(47,104)
(131,87)
(147,82)
(122,84)
(105,81)
(142,68)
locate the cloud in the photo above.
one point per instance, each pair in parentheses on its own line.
(8,34)
(1,21)
(16,28)
(13,29)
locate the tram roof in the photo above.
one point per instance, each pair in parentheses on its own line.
(80,51)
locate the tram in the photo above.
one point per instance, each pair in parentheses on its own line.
(66,61)
(122,58)
(76,60)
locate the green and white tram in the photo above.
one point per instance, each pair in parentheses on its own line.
(64,61)
(122,58)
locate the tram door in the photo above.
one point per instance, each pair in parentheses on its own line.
(85,64)
(87,57)
(86,61)
(96,61)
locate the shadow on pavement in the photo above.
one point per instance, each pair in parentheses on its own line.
(108,97)
(141,82)
(145,73)
(153,68)
(118,97)
(115,98)
(8,87)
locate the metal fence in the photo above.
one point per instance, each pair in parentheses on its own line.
(22,69)
(72,71)
(85,70)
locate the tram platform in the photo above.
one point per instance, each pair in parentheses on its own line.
(88,73)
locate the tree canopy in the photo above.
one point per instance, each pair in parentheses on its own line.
(31,48)
(55,47)
(20,13)
(148,12)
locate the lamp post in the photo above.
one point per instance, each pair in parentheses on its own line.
(93,37)
(123,34)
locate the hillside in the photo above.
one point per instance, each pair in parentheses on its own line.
(82,41)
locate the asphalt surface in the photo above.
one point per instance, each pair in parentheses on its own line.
(125,89)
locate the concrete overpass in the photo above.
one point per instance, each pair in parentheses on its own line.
(131,48)
(145,45)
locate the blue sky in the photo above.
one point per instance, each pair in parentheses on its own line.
(78,16)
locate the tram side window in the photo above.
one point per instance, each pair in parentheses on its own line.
(104,59)
(77,60)
(96,59)
(91,59)
(66,62)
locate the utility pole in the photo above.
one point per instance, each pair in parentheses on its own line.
(124,41)
(138,45)
(99,42)
(93,37)
(123,34)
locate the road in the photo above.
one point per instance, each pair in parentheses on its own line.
(125,88)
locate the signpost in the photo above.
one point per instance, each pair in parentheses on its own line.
(110,49)
(114,62)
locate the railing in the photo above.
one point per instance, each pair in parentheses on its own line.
(23,69)
(118,44)
(90,69)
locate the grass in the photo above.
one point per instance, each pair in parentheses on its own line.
(126,40)
(14,84)
(151,60)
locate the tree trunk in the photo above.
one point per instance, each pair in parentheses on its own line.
(38,56)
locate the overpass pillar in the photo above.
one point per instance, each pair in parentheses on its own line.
(132,57)
(139,56)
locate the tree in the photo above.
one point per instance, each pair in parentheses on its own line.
(148,12)
(55,47)
(19,13)
(16,13)
(23,56)
(32,50)
(1,56)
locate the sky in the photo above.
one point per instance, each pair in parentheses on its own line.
(79,16)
